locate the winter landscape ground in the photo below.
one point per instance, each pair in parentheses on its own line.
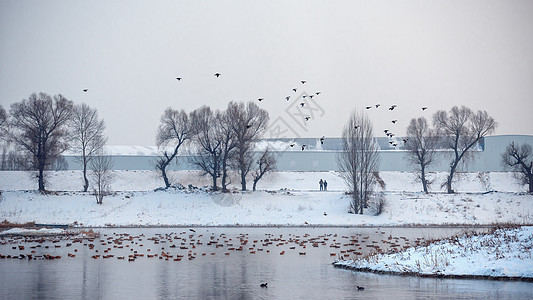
(293,199)
(284,198)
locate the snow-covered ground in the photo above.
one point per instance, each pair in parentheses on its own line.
(285,198)
(504,253)
(33,232)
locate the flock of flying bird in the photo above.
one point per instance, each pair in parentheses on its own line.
(393,142)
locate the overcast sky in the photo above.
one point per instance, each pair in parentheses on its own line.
(356,53)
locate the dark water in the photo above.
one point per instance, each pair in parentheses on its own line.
(238,275)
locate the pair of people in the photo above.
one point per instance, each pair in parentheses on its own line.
(323,185)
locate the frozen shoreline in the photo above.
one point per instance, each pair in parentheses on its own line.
(504,254)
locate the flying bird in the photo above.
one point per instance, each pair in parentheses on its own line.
(86,90)
(311,96)
(359,288)
(392,107)
(318,93)
(405,141)
(292,145)
(264,285)
(178,78)
(303,147)
(248,126)
(260,99)
(304,96)
(368,107)
(288,97)
(394,121)
(386,131)
(303,81)
(322,140)
(307,118)
(356,126)
(192,230)
(217,74)
(302,104)
(378,105)
(424,108)
(294,89)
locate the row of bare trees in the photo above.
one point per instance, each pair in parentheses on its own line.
(42,127)
(217,141)
(459,130)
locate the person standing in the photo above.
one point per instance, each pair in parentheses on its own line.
(325,185)
(321,184)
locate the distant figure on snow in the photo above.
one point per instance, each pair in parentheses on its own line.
(321,184)
(325,185)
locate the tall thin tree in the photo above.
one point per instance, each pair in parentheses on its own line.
(461,130)
(40,129)
(208,143)
(228,144)
(265,163)
(102,175)
(249,121)
(3,124)
(421,147)
(87,136)
(520,159)
(173,131)
(359,160)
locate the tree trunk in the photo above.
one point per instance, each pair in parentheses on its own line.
(243,181)
(214,183)
(450,179)
(165,178)
(255,183)
(41,179)
(531,184)
(163,169)
(85,180)
(424,182)
(224,175)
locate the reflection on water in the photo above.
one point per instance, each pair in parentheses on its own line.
(238,275)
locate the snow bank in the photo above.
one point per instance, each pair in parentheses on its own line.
(34,232)
(504,253)
(287,198)
(292,208)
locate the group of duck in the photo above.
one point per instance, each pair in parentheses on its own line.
(189,245)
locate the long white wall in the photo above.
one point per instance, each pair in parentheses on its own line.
(488,159)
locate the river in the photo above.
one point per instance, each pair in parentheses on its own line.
(227,263)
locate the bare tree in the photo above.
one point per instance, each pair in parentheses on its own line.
(421,147)
(462,129)
(359,160)
(87,136)
(248,123)
(208,142)
(3,124)
(266,163)
(173,131)
(520,160)
(228,144)
(101,175)
(39,128)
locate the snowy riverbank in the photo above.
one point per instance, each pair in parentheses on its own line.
(504,253)
(287,199)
